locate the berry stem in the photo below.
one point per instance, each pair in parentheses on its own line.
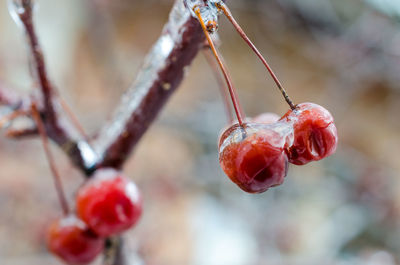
(72,117)
(221,5)
(221,84)
(21,133)
(232,90)
(57,179)
(9,117)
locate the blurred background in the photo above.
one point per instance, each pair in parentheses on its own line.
(344,55)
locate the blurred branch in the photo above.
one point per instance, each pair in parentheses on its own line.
(113,254)
(161,74)
(22,133)
(58,128)
(25,14)
(11,99)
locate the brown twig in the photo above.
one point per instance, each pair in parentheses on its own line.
(26,17)
(161,74)
(11,116)
(56,176)
(113,253)
(58,128)
(72,117)
(21,133)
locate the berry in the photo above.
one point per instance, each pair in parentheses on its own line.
(70,239)
(253,156)
(266,118)
(315,134)
(109,203)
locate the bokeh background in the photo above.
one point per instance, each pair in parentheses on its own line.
(344,55)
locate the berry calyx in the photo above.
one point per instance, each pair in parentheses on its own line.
(253,155)
(109,203)
(70,239)
(315,134)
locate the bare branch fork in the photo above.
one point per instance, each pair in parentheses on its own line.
(162,72)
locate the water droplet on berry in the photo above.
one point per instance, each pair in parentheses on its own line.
(253,155)
(315,134)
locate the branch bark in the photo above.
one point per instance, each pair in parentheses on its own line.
(162,72)
(58,127)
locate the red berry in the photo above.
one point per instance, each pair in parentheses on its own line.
(266,118)
(315,134)
(109,203)
(71,240)
(253,156)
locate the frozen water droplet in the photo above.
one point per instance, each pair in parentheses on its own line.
(210,17)
(279,134)
(16,8)
(209,12)
(191,4)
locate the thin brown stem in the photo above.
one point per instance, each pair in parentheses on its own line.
(241,32)
(22,133)
(160,76)
(72,117)
(58,128)
(232,90)
(26,17)
(56,176)
(221,84)
(9,117)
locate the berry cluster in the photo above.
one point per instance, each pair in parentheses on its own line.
(106,205)
(255,154)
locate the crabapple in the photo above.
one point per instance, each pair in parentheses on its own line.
(315,134)
(109,203)
(70,239)
(253,155)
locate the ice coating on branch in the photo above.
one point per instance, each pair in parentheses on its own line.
(208,10)
(155,62)
(17,7)
(89,156)
(191,4)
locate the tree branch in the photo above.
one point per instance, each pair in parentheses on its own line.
(11,99)
(26,17)
(58,128)
(22,133)
(161,74)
